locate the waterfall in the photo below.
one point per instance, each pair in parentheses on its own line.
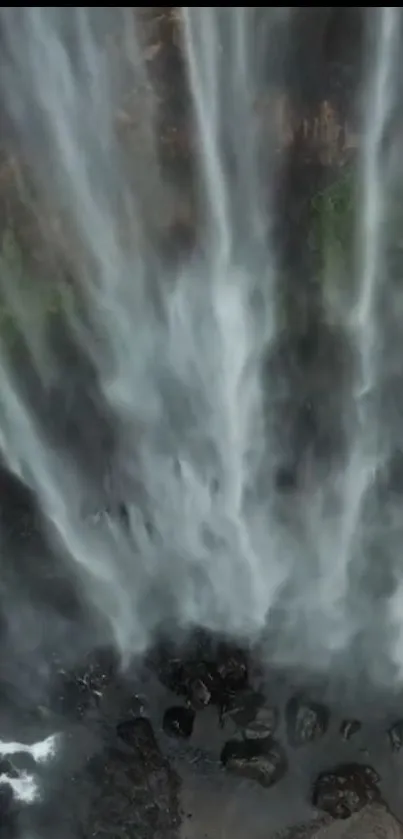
(179,349)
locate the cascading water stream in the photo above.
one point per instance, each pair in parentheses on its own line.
(206,350)
(179,352)
(366,456)
(339,538)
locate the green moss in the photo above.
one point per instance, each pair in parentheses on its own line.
(332,213)
(26,299)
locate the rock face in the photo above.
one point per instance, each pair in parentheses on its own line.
(261,760)
(306,721)
(346,790)
(134,791)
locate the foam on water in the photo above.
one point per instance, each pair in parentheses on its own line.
(41,751)
(25,787)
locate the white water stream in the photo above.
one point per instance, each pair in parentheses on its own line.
(182,377)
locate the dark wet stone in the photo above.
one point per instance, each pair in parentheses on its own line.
(264,724)
(138,734)
(207,674)
(346,790)
(133,792)
(263,761)
(306,721)
(178,721)
(243,707)
(349,728)
(395,735)
(130,730)
(191,679)
(232,668)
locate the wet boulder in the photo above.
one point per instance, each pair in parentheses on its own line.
(133,790)
(243,707)
(395,735)
(252,714)
(306,721)
(191,678)
(178,722)
(264,723)
(345,790)
(232,668)
(205,674)
(263,761)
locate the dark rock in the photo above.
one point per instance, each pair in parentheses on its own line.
(346,790)
(252,714)
(232,668)
(178,721)
(191,679)
(306,721)
(243,707)
(263,761)
(349,728)
(130,731)
(133,792)
(138,734)
(205,674)
(395,735)
(264,724)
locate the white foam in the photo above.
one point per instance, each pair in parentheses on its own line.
(25,787)
(41,751)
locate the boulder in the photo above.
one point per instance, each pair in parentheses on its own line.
(263,761)
(306,721)
(346,789)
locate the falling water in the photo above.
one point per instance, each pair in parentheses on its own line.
(180,346)
(380,100)
(365,456)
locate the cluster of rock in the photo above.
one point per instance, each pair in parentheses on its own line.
(129,785)
(221,678)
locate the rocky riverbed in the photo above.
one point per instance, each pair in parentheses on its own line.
(200,742)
